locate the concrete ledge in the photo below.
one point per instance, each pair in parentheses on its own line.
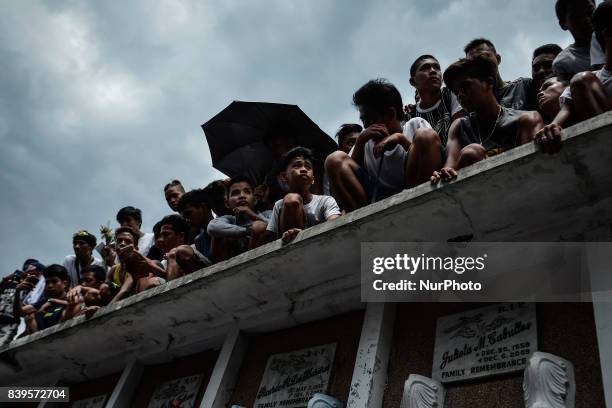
(522,195)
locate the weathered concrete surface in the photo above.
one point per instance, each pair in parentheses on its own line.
(522,195)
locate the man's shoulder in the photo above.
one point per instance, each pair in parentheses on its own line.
(69,259)
(278,204)
(567,53)
(511,116)
(519,82)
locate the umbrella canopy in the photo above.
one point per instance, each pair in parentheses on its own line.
(236,136)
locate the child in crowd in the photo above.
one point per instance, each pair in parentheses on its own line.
(347,136)
(83,244)
(548,97)
(489,129)
(172,231)
(300,208)
(195,206)
(173,192)
(49,310)
(134,273)
(575,17)
(218,191)
(589,93)
(245,229)
(130,217)
(541,63)
(437,104)
(91,294)
(519,94)
(180,258)
(383,161)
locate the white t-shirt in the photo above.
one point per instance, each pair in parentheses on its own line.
(604,76)
(318,210)
(145,243)
(74,268)
(33,296)
(415,123)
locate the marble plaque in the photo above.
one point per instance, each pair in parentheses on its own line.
(484,342)
(180,392)
(291,379)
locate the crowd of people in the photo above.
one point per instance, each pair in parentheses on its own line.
(477,115)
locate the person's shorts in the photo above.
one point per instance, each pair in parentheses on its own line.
(375,193)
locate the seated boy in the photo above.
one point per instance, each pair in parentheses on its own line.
(437,104)
(489,129)
(245,229)
(518,94)
(173,192)
(195,207)
(548,97)
(383,161)
(589,93)
(48,311)
(300,208)
(541,63)
(90,294)
(134,273)
(347,136)
(180,259)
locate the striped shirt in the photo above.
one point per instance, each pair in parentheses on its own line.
(439,116)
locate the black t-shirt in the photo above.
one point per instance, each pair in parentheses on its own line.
(519,94)
(503,137)
(50,316)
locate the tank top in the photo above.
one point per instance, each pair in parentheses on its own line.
(504,137)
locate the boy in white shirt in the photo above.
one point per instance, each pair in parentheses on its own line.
(300,209)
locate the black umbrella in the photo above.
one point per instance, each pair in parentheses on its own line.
(236,136)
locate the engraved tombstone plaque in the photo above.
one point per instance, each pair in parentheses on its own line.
(291,379)
(484,342)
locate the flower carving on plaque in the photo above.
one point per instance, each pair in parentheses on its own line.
(324,401)
(549,382)
(422,392)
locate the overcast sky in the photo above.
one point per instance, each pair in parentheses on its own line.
(101,102)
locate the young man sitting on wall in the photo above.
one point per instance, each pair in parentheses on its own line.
(490,128)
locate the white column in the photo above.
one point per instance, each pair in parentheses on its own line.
(370,373)
(123,392)
(226,370)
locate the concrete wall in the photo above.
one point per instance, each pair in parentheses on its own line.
(567,330)
(153,375)
(522,195)
(343,330)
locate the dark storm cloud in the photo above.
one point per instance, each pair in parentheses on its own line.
(101,101)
